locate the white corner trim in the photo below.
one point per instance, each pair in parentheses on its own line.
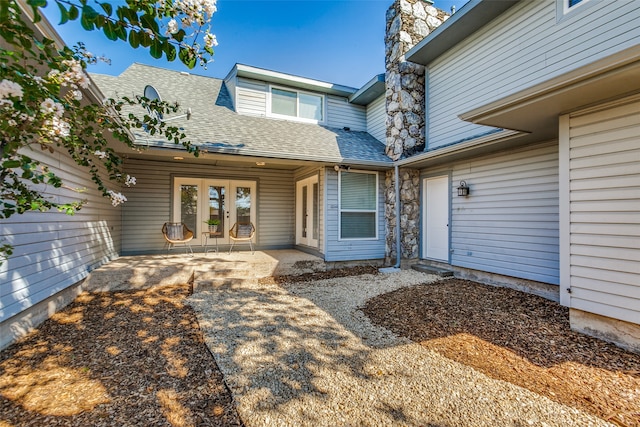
(565,209)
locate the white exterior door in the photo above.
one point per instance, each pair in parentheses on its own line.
(197,200)
(307,197)
(435,227)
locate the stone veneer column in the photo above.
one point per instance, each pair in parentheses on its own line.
(408,22)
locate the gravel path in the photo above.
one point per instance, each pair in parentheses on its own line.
(305,355)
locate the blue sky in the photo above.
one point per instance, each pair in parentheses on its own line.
(335,41)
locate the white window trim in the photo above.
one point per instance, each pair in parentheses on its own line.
(292,118)
(568,8)
(375,211)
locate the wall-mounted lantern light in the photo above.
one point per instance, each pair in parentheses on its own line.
(463,190)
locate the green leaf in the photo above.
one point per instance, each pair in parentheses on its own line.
(109,31)
(121,32)
(73,13)
(134,39)
(179,36)
(64,15)
(187,57)
(145,39)
(108,9)
(148,21)
(86,23)
(37,3)
(10,164)
(88,18)
(170,51)
(156,49)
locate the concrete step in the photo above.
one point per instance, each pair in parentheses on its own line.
(223,282)
(423,268)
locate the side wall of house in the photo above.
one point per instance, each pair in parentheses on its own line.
(509,223)
(252,97)
(150,201)
(53,251)
(351,250)
(526,45)
(376,119)
(603,211)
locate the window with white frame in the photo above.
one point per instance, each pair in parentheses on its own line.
(358,205)
(569,5)
(296,104)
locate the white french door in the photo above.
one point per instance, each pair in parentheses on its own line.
(228,201)
(307,205)
(435,225)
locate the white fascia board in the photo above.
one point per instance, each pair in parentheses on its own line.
(293,81)
(370,91)
(462,146)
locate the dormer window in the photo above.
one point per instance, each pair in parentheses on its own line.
(303,106)
(572,4)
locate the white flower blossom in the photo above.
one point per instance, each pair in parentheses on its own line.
(116,198)
(9,88)
(58,128)
(77,95)
(101,154)
(12,123)
(131,180)
(210,40)
(172,27)
(47,106)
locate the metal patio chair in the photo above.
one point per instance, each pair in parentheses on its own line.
(176,233)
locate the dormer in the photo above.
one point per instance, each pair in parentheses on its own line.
(279,96)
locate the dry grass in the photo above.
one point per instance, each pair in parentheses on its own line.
(519,338)
(126,358)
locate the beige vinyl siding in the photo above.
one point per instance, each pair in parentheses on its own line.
(149,204)
(509,223)
(251,97)
(523,47)
(349,250)
(340,113)
(52,250)
(306,172)
(376,119)
(604,210)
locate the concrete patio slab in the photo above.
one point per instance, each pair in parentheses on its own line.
(143,271)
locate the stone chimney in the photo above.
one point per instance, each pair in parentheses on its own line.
(408,22)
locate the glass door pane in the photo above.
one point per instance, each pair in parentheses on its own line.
(217,209)
(189,206)
(243,204)
(315,214)
(305,214)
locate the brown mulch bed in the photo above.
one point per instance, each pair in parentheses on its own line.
(123,358)
(320,275)
(519,338)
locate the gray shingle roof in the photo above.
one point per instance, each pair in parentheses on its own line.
(217,128)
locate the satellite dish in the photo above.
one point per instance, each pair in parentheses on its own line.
(152,94)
